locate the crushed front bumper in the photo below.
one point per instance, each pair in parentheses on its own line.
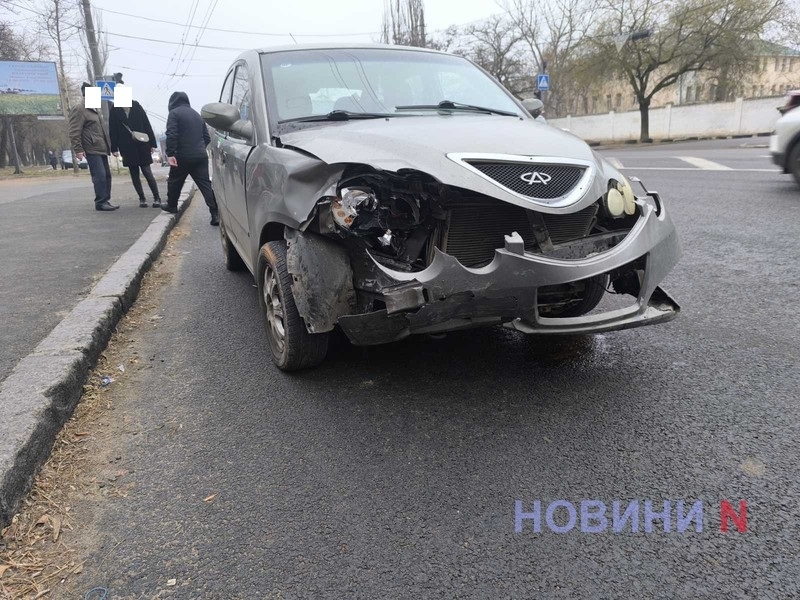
(447,296)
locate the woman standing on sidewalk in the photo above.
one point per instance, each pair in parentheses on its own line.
(123,123)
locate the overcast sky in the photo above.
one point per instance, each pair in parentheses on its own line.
(155,70)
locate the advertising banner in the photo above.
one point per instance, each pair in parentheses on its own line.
(29,88)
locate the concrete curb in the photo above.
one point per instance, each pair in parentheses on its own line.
(42,391)
(603,144)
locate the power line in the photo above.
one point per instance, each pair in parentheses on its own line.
(136,37)
(178,51)
(137,51)
(218,75)
(269,34)
(209,13)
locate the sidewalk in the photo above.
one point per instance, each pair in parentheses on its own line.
(70,274)
(53,248)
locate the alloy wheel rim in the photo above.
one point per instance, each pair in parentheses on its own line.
(274,308)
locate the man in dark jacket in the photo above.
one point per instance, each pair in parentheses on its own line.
(89,138)
(187,138)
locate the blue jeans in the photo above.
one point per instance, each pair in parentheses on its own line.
(101,177)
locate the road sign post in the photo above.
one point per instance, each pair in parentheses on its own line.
(543,82)
(106,89)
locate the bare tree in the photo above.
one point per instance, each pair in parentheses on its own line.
(552,31)
(58,22)
(687,36)
(14,45)
(404,23)
(494,44)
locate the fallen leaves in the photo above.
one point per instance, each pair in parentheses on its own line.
(210,498)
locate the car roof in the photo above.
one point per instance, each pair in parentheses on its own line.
(343,46)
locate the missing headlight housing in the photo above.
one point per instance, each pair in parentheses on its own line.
(349,202)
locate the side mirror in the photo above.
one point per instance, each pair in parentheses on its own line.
(220,115)
(533,106)
(243,129)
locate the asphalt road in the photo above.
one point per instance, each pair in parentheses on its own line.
(53,247)
(393,472)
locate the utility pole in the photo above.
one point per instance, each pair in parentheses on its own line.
(91,39)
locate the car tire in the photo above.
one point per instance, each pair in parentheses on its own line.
(595,289)
(793,165)
(233,261)
(291,345)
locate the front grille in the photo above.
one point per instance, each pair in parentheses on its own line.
(568,227)
(477,228)
(562,178)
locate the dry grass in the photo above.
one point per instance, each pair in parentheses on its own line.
(41,172)
(34,558)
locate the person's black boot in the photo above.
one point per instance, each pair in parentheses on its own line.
(106,206)
(167,208)
(156,202)
(142,203)
(214,217)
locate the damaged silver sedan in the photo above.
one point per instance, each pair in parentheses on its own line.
(392,191)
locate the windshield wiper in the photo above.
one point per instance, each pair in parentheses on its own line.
(450,105)
(338,115)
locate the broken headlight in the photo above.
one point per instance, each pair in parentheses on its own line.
(348,203)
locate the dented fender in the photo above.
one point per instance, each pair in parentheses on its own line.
(322,279)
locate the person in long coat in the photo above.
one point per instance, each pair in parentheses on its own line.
(135,155)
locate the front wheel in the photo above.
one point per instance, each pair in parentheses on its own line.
(292,347)
(794,162)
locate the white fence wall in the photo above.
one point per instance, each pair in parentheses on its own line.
(751,116)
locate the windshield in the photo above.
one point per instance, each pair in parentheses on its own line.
(307,83)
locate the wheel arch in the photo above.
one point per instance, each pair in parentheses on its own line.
(793,143)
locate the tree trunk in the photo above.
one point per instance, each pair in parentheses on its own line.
(644,115)
(3,144)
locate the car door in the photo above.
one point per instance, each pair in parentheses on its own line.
(217,139)
(233,158)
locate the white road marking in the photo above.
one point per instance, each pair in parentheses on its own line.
(615,162)
(701,170)
(702,163)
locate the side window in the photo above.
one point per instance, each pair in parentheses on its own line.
(241,92)
(225,95)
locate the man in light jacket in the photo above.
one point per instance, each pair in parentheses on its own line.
(89,138)
(187,138)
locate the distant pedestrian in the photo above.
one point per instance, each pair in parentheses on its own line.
(124,123)
(51,156)
(88,136)
(187,138)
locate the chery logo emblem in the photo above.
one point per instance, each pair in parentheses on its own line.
(535,177)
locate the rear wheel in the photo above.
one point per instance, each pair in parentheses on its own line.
(794,162)
(292,347)
(233,262)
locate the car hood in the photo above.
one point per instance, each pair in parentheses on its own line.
(423,143)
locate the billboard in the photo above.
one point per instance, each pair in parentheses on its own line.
(29,88)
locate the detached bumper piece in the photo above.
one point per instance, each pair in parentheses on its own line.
(448,296)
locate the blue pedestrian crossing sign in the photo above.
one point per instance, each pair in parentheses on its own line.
(543,82)
(106,89)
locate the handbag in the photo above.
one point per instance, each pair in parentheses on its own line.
(138,135)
